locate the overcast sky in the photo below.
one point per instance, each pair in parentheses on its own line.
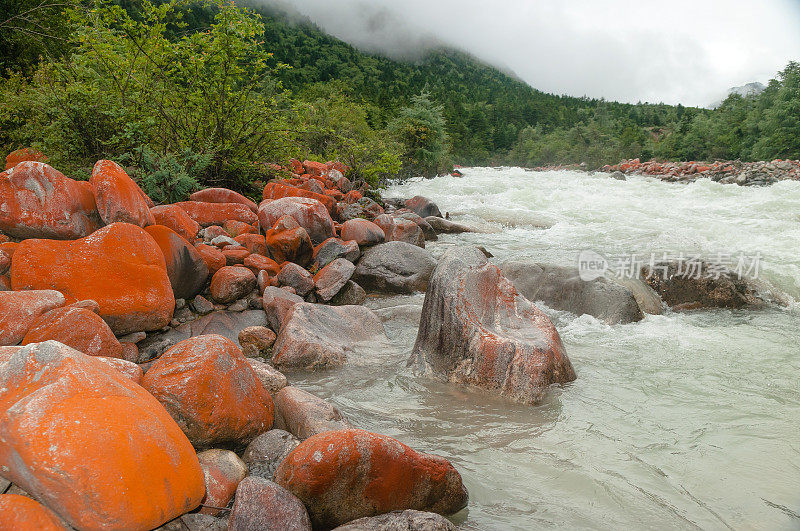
(675,51)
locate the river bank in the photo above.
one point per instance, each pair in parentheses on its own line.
(761,173)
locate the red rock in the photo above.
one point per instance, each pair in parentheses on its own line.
(218,213)
(231,283)
(214,231)
(22,155)
(119,266)
(297,166)
(79,328)
(363,232)
(423,207)
(277,304)
(289,242)
(353,196)
(40,202)
(5,283)
(19,310)
(22,513)
(278,190)
(119,198)
(256,341)
(315,168)
(235,228)
(79,436)
(257,262)
(186,268)
(177,219)
(235,256)
(5,262)
(212,392)
(222,195)
(255,243)
(212,256)
(296,277)
(344,475)
(386,223)
(223,471)
(9,248)
(308,213)
(405,230)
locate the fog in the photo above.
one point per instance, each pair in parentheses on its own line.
(682,51)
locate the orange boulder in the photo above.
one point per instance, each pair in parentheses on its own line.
(231,283)
(22,513)
(208,386)
(40,202)
(235,228)
(212,256)
(78,328)
(297,166)
(177,219)
(119,198)
(315,168)
(207,214)
(363,232)
(120,267)
(186,269)
(276,190)
(344,475)
(255,243)
(308,213)
(222,195)
(19,310)
(257,262)
(287,241)
(22,155)
(92,445)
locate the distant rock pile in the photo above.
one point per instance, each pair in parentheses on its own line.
(726,172)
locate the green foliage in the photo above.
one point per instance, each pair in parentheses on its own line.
(30,29)
(420,128)
(167,178)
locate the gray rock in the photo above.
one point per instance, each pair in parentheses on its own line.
(316,336)
(446,226)
(277,302)
(264,453)
(272,379)
(562,288)
(334,248)
(296,277)
(202,305)
(305,415)
(222,241)
(647,299)
(256,341)
(427,230)
(332,278)
(476,329)
(202,522)
(408,520)
(395,267)
(261,505)
(350,294)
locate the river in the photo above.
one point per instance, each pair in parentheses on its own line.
(682,420)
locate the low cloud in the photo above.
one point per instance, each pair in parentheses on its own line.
(683,51)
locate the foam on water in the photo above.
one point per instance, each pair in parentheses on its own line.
(681,420)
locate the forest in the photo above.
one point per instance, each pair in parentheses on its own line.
(192,92)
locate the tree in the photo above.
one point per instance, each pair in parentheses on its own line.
(420,129)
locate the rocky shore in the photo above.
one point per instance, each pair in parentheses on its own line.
(760,173)
(147,351)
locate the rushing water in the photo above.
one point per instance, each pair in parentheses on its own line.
(684,420)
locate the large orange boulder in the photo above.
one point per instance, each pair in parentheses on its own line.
(212,256)
(40,202)
(119,198)
(308,213)
(209,388)
(362,231)
(22,513)
(20,309)
(186,268)
(79,328)
(275,190)
(92,445)
(222,195)
(231,283)
(22,155)
(476,329)
(287,241)
(119,266)
(315,168)
(207,214)
(177,219)
(344,475)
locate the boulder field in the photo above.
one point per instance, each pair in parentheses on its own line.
(141,350)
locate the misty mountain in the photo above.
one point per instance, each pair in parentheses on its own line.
(750,89)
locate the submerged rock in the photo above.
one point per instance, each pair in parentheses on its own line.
(395,267)
(408,520)
(315,336)
(562,288)
(341,476)
(423,207)
(476,329)
(447,226)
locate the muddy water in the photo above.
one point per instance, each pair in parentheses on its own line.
(685,420)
